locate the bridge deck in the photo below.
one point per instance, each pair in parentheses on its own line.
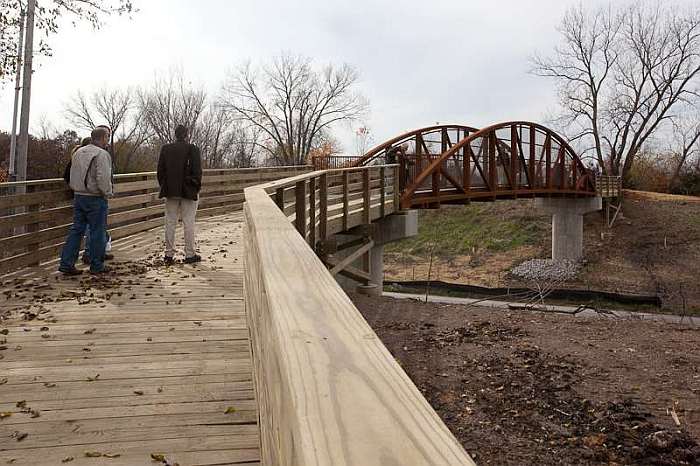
(152,360)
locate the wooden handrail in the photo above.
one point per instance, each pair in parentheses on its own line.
(329,391)
(34,224)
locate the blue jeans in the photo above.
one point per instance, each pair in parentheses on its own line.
(88,211)
(86,253)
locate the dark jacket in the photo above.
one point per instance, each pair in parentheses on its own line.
(180,170)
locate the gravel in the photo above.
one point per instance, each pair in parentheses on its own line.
(547,269)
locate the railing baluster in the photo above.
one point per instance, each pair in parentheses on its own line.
(300,207)
(323,207)
(365,196)
(312,212)
(382,187)
(279,198)
(533,148)
(345,200)
(397,189)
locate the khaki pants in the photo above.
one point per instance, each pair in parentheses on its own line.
(186,209)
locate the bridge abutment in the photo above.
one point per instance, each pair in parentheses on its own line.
(567,224)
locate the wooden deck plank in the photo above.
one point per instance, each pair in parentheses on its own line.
(153,360)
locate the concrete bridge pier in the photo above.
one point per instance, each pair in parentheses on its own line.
(567,224)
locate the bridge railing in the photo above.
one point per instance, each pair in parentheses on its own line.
(329,391)
(608,186)
(34,224)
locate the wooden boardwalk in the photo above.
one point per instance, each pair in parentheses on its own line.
(151,363)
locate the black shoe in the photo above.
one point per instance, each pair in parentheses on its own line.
(86,259)
(104,270)
(108,257)
(167,260)
(71,272)
(193,259)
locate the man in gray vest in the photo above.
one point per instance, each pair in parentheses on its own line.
(91,182)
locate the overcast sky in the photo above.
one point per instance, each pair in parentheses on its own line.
(421,62)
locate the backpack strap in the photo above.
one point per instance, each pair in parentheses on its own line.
(87,172)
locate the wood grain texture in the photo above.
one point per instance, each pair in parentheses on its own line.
(135,208)
(171,362)
(329,392)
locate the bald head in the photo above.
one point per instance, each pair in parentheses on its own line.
(100,136)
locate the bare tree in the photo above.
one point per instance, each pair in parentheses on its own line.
(363,140)
(292,104)
(48,15)
(118,109)
(170,101)
(621,74)
(686,143)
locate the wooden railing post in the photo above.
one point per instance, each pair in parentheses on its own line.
(300,208)
(323,207)
(279,198)
(312,212)
(382,194)
(397,189)
(533,148)
(365,196)
(514,157)
(346,207)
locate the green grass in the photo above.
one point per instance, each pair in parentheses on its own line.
(463,230)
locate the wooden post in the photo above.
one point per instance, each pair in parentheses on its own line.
(323,207)
(548,161)
(345,200)
(312,212)
(514,156)
(382,194)
(397,190)
(279,198)
(533,148)
(300,207)
(366,196)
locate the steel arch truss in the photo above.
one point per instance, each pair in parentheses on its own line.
(457,164)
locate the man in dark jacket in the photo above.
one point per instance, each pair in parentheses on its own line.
(180,179)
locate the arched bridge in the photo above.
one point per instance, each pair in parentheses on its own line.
(449,164)
(256,355)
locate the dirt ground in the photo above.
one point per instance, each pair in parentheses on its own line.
(653,248)
(522,388)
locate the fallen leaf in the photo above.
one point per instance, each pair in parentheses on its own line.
(89,332)
(44,329)
(49,384)
(158,457)
(20,435)
(67,459)
(4,331)
(138,392)
(4,415)
(93,454)
(21,404)
(230,410)
(3,381)
(34,413)
(111,455)
(92,379)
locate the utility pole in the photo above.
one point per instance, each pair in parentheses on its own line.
(23,145)
(18,87)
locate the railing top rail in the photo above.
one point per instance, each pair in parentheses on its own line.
(123,176)
(291,181)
